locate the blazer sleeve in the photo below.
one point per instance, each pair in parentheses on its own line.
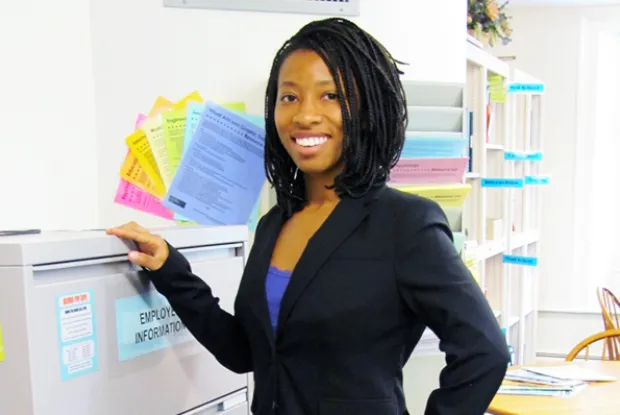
(198,308)
(437,286)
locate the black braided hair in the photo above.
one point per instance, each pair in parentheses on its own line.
(374,110)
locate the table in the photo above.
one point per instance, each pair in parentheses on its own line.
(597,398)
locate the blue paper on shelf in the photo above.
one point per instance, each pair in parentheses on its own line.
(500,182)
(522,156)
(222,172)
(431,147)
(525,88)
(536,180)
(520,260)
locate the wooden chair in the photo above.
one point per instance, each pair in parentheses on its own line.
(610,311)
(613,334)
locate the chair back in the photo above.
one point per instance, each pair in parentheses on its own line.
(613,334)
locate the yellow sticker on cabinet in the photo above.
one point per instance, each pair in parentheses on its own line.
(1,346)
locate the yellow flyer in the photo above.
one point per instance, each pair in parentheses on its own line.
(1,346)
(447,196)
(132,172)
(139,145)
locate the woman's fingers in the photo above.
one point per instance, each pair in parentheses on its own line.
(145,260)
(140,237)
(154,250)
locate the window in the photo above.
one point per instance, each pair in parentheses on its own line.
(597,214)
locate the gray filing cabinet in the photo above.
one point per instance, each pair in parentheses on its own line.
(84,333)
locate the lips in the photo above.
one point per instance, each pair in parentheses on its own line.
(311,141)
(309,144)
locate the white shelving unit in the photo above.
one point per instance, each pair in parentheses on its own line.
(525,210)
(503,221)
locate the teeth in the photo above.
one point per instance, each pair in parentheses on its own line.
(311,141)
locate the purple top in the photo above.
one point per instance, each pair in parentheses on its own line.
(276,284)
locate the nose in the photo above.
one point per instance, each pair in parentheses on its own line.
(308,114)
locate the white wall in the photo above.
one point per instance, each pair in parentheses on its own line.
(547,44)
(78,86)
(48,159)
(148,50)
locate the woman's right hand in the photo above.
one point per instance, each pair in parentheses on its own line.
(153,251)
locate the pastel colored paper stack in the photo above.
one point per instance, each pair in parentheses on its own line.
(156,149)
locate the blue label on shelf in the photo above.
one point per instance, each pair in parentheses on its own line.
(521,88)
(512,183)
(536,180)
(518,156)
(520,260)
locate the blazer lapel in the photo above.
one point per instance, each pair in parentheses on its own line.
(345,218)
(258,265)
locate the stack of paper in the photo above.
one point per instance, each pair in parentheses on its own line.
(195,162)
(433,165)
(548,381)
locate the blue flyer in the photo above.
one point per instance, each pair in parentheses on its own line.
(222,172)
(77,334)
(145,324)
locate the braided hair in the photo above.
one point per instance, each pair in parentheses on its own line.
(373,103)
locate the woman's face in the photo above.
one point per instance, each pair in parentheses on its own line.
(308,116)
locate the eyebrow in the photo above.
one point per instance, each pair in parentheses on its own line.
(326,82)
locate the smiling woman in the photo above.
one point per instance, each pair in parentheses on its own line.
(326,83)
(345,273)
(308,115)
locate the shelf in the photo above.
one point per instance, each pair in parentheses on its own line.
(436,119)
(433,94)
(490,249)
(481,58)
(524,78)
(513,321)
(521,239)
(494,147)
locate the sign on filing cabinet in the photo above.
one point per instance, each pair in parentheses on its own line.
(147,323)
(77,334)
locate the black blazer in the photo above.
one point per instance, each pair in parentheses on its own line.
(380,270)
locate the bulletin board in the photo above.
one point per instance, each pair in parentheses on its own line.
(323,7)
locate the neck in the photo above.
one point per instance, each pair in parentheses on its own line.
(317,192)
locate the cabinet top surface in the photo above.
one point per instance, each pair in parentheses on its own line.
(61,246)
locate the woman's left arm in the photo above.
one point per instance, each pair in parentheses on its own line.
(437,286)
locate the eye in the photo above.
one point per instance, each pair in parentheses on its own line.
(288,98)
(331,96)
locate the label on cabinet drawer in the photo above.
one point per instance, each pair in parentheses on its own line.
(147,323)
(77,334)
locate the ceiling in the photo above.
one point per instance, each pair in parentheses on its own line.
(529,3)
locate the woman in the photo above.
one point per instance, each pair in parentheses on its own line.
(345,273)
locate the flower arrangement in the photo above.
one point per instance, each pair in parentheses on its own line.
(488,21)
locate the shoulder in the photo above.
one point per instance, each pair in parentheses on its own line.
(275,213)
(411,212)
